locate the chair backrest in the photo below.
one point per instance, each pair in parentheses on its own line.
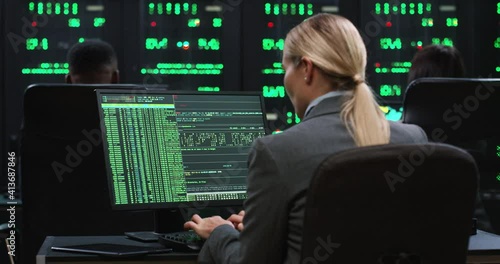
(63,181)
(463,113)
(379,204)
(453,109)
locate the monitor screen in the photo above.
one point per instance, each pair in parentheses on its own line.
(164,149)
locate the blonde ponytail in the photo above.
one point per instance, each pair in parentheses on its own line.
(363,118)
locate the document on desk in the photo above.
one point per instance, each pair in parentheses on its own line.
(116,250)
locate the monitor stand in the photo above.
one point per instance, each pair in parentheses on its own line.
(170,220)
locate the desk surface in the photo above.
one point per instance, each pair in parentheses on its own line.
(482,244)
(46,255)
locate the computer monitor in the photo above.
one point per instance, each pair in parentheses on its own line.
(172,149)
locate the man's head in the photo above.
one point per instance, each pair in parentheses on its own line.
(92,61)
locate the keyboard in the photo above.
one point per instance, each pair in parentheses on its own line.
(185,241)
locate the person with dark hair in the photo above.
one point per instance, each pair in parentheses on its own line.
(92,61)
(437,61)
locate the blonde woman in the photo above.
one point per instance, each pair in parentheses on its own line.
(324,59)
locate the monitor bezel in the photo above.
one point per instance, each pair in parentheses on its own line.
(199,205)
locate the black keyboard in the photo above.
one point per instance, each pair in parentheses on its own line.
(186,241)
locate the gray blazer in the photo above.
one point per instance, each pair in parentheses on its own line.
(280,169)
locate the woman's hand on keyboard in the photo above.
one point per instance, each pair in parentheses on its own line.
(204,226)
(237,220)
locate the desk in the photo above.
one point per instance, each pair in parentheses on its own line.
(46,255)
(484,248)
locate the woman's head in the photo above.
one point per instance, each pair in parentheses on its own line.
(333,45)
(326,53)
(437,61)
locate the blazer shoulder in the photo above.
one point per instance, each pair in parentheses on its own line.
(407,132)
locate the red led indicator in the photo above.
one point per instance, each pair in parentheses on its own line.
(33,24)
(153,24)
(419,47)
(388,24)
(185,47)
(377,64)
(270,24)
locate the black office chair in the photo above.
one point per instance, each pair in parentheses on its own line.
(460,109)
(383,204)
(464,113)
(64,183)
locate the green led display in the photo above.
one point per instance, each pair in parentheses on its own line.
(498,177)
(194,22)
(34,43)
(395,8)
(271,44)
(388,43)
(498,151)
(48,68)
(74,22)
(51,8)
(406,64)
(151,8)
(273,91)
(277,69)
(208,66)
(444,41)
(397,67)
(427,22)
(416,43)
(289,116)
(452,22)
(498,8)
(181,72)
(212,44)
(208,89)
(177,9)
(66,8)
(172,8)
(154,43)
(273,71)
(392,70)
(497,43)
(285,9)
(390,90)
(160,8)
(391,113)
(217,22)
(81,40)
(99,21)
(185,69)
(194,9)
(57,9)
(497,69)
